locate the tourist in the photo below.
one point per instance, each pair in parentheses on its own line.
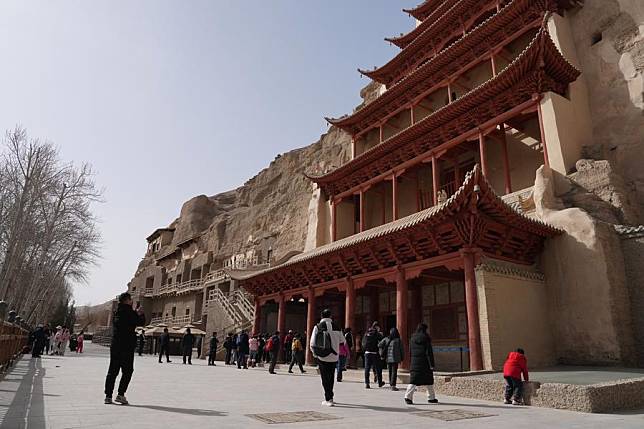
(242,349)
(359,349)
(370,343)
(273,346)
(325,346)
(140,342)
(288,343)
(261,343)
(64,341)
(79,340)
(348,338)
(297,353)
(38,342)
(267,353)
(57,340)
(187,343)
(394,353)
(228,345)
(342,360)
(212,349)
(47,332)
(198,340)
(124,323)
(253,346)
(164,345)
(515,365)
(234,349)
(421,371)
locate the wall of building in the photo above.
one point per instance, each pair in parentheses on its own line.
(407,195)
(633,247)
(345,219)
(513,312)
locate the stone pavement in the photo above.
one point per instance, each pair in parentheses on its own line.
(66,392)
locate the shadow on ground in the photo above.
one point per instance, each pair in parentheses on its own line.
(27,409)
(190,411)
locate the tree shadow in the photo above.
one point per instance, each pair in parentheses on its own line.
(27,408)
(190,411)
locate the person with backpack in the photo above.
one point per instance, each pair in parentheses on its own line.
(370,342)
(297,354)
(273,349)
(326,339)
(288,344)
(421,371)
(393,353)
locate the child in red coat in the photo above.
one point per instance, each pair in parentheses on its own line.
(515,365)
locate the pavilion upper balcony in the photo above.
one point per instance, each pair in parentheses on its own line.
(455,70)
(497,124)
(448,22)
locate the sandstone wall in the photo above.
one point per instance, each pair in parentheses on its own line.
(513,312)
(609,40)
(633,246)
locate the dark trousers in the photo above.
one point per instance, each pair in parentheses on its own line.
(372,360)
(327,373)
(274,354)
(164,349)
(513,388)
(211,358)
(296,359)
(288,352)
(393,373)
(120,360)
(241,360)
(187,354)
(228,356)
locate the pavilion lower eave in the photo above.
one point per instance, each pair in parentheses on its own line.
(473,218)
(538,69)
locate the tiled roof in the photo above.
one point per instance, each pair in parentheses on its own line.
(627,231)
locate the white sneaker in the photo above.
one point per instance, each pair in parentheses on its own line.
(507,401)
(328,403)
(514,402)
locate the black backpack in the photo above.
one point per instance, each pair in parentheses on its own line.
(322,342)
(371,342)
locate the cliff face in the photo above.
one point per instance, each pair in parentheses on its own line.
(268,211)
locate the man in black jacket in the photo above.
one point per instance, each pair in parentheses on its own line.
(124,323)
(212,351)
(187,343)
(164,345)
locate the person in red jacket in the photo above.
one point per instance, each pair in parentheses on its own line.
(515,365)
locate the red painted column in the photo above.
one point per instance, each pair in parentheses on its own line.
(334,220)
(350,305)
(435,179)
(493,65)
(401,313)
(506,161)
(258,317)
(362,228)
(482,153)
(541,130)
(471,303)
(394,196)
(310,323)
(381,132)
(281,322)
(411,112)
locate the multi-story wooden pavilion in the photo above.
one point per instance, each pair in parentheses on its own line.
(459,125)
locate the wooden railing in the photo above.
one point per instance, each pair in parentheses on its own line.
(13,339)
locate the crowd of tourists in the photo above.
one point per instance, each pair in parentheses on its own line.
(45,340)
(334,350)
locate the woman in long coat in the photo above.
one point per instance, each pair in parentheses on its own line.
(422,365)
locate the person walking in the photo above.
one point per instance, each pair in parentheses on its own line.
(64,341)
(48,338)
(242,349)
(234,349)
(370,342)
(164,345)
(212,349)
(80,339)
(394,354)
(124,322)
(187,343)
(140,342)
(38,342)
(297,353)
(342,360)
(261,343)
(325,346)
(253,347)
(348,338)
(421,371)
(274,350)
(515,365)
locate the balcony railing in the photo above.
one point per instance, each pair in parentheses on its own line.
(176,320)
(184,287)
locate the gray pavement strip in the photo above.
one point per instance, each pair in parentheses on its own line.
(451,415)
(292,417)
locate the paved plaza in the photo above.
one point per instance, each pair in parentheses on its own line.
(66,392)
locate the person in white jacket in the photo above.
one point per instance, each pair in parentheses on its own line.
(327,359)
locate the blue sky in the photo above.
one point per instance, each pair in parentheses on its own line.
(171,99)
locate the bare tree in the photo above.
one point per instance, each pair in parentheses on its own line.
(48,233)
